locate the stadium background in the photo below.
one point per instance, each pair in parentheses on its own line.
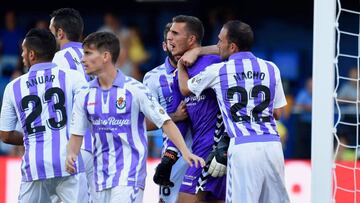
(283,34)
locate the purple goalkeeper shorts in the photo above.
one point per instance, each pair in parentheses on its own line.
(198,178)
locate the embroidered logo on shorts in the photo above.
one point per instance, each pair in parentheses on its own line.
(120,103)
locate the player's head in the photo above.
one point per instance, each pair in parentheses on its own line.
(100,48)
(166,45)
(186,32)
(39,45)
(66,23)
(235,36)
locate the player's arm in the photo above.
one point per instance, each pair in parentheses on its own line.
(78,128)
(171,130)
(278,112)
(183,78)
(12,137)
(8,120)
(73,149)
(179,115)
(191,56)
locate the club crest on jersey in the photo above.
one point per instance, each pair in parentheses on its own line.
(120,103)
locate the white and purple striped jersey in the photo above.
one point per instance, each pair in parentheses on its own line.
(163,85)
(42,101)
(248,89)
(117,119)
(69,57)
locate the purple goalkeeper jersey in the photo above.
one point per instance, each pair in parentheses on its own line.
(202,109)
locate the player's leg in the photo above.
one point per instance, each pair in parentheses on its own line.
(71,189)
(244,174)
(274,190)
(34,191)
(170,194)
(126,194)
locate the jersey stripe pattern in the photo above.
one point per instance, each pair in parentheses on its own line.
(42,101)
(69,57)
(117,117)
(248,89)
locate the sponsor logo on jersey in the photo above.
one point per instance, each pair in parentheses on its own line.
(120,103)
(110,121)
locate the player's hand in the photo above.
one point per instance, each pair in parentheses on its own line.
(217,167)
(163,170)
(192,160)
(190,57)
(70,163)
(180,113)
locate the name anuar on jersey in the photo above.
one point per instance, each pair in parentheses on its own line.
(249,75)
(40,80)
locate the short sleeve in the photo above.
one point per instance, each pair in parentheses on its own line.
(8,117)
(205,79)
(152,109)
(79,121)
(279,99)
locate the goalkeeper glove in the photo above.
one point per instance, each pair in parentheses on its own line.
(163,170)
(218,158)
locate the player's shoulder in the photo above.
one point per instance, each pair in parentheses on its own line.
(155,73)
(270,64)
(209,58)
(135,86)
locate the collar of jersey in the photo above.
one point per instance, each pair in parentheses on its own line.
(168,66)
(242,55)
(118,82)
(72,44)
(42,66)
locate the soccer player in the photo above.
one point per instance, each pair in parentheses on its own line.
(67,26)
(250,94)
(115,108)
(161,84)
(186,33)
(42,101)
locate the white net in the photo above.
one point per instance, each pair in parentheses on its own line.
(346,168)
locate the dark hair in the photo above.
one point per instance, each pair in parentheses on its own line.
(166,30)
(70,21)
(104,41)
(240,33)
(42,42)
(193,25)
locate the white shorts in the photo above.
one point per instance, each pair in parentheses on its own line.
(121,193)
(169,194)
(69,189)
(255,173)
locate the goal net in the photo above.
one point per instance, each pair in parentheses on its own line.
(346,168)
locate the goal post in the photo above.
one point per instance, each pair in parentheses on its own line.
(323,100)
